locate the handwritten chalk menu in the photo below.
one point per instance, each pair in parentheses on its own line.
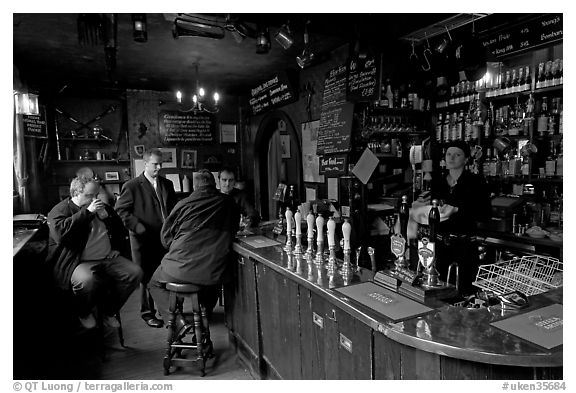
(272,93)
(336,115)
(35,125)
(527,35)
(333,165)
(362,79)
(178,127)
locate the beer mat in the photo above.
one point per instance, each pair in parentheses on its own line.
(258,241)
(542,326)
(386,302)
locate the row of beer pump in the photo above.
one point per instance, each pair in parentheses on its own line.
(425,276)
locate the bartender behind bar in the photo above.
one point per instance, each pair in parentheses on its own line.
(464,200)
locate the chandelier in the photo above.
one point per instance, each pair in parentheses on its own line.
(200,102)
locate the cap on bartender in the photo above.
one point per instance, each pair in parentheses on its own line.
(460,145)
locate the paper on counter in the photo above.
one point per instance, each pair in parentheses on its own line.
(365,166)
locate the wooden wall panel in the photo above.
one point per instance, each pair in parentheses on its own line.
(418,364)
(387,360)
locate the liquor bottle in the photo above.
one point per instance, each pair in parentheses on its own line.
(515,81)
(468,137)
(384,103)
(434,221)
(560,160)
(561,71)
(486,165)
(404,213)
(549,77)
(439,128)
(452,99)
(556,72)
(446,128)
(541,76)
(554,117)
(488,122)
(550,165)
(525,167)
(521,79)
(389,94)
(561,117)
(410,96)
(501,83)
(399,151)
(555,203)
(508,83)
(542,124)
(460,126)
(527,79)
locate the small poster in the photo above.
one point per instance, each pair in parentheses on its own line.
(310,160)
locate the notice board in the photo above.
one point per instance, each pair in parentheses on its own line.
(273,92)
(336,114)
(35,125)
(178,127)
(362,79)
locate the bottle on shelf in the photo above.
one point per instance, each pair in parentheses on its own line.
(486,165)
(555,207)
(549,77)
(554,118)
(508,83)
(527,79)
(542,123)
(389,95)
(550,165)
(540,76)
(561,117)
(521,86)
(439,128)
(446,128)
(515,86)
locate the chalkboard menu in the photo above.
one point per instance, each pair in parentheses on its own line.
(35,125)
(178,127)
(362,79)
(334,132)
(527,35)
(333,165)
(272,93)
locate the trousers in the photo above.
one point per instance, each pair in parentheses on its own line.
(105,284)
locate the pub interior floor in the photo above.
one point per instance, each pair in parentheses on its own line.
(81,356)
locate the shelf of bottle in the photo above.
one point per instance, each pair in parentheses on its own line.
(99,140)
(104,162)
(525,180)
(398,133)
(497,95)
(398,111)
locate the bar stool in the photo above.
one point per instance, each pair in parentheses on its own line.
(175,346)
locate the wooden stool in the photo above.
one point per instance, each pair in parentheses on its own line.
(203,344)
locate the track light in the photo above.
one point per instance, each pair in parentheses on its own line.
(307,56)
(139,28)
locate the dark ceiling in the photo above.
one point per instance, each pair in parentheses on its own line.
(49,56)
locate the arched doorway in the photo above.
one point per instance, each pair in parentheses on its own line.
(278,158)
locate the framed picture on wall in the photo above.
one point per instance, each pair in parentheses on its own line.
(285,142)
(111,176)
(189,159)
(168,157)
(228,133)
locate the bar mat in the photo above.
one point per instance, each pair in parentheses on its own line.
(392,305)
(258,241)
(542,326)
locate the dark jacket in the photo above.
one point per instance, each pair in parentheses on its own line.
(199,234)
(69,230)
(138,202)
(470,195)
(246,206)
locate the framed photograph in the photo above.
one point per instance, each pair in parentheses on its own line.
(111,176)
(139,150)
(228,133)
(285,142)
(168,157)
(189,159)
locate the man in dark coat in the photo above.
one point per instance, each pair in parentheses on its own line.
(199,234)
(227,180)
(85,239)
(143,205)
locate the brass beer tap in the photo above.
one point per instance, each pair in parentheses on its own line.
(320,247)
(331,226)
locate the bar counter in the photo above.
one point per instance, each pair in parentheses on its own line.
(303,329)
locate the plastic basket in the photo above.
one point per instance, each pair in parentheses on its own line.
(530,275)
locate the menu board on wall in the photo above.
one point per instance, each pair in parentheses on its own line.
(272,93)
(35,125)
(336,114)
(527,35)
(362,79)
(177,127)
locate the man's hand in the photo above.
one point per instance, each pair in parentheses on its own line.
(96,204)
(140,228)
(113,254)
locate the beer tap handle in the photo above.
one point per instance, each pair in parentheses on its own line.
(298,219)
(310,222)
(289,216)
(372,258)
(346,230)
(331,226)
(319,227)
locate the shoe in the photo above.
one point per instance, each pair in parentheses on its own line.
(154,322)
(182,328)
(88,322)
(110,321)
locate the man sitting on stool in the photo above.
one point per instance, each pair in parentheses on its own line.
(84,238)
(198,234)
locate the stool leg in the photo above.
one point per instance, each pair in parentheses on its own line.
(207,343)
(120,330)
(171,326)
(198,331)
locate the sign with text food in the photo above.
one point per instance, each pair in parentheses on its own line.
(272,93)
(334,88)
(335,129)
(177,127)
(333,165)
(528,35)
(362,79)
(35,125)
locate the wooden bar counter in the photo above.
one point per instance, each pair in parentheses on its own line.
(285,323)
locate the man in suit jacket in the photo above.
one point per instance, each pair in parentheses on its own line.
(143,204)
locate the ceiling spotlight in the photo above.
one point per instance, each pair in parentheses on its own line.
(263,41)
(284,37)
(139,28)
